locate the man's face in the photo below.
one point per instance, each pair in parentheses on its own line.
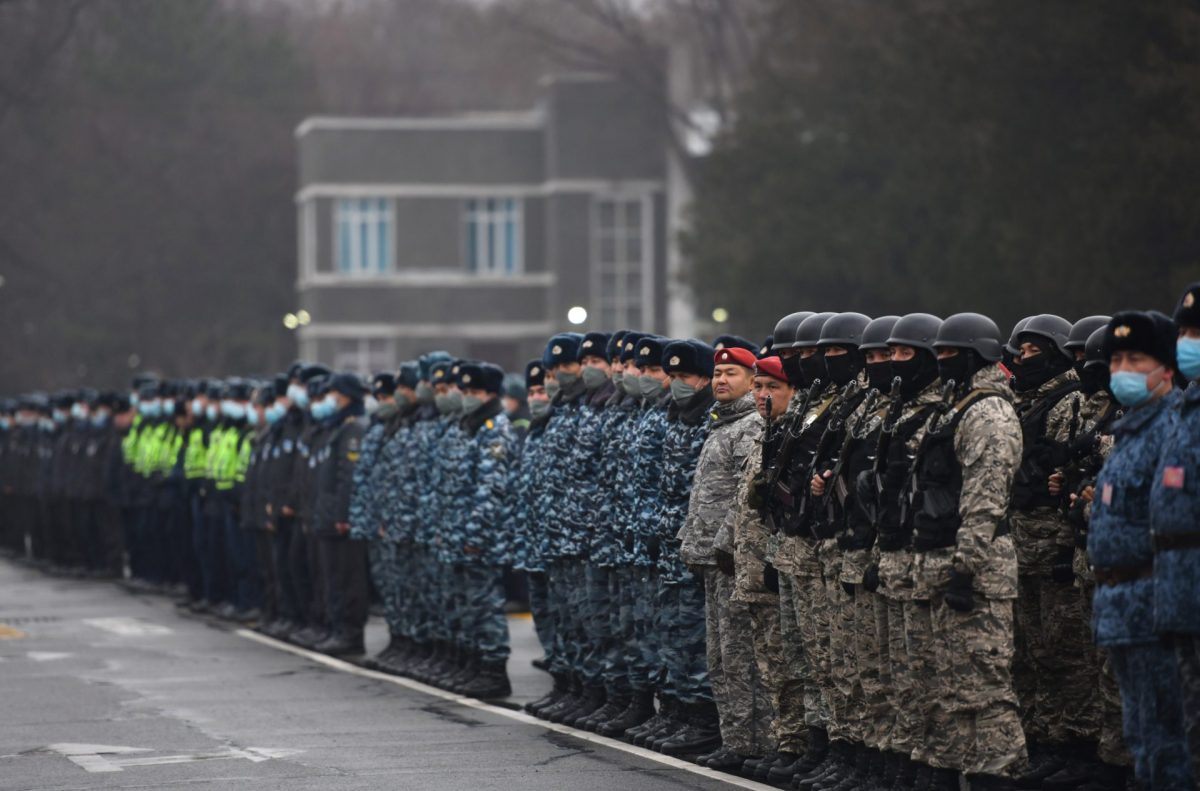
(901,353)
(730,382)
(877,356)
(592,361)
(695,380)
(441,388)
(536,393)
(1029,350)
(780,392)
(786,353)
(657,372)
(566,368)
(616,367)
(483,395)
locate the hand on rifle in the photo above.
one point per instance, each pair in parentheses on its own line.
(817,487)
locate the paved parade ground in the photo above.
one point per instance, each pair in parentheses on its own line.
(102,688)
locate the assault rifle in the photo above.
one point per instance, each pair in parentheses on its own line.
(839,410)
(774,496)
(843,453)
(943,406)
(887,431)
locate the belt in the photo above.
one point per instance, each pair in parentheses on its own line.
(1164,542)
(1119,575)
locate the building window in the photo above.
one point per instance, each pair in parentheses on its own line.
(364,355)
(364,236)
(493,236)
(620,237)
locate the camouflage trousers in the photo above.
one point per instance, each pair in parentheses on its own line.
(1187,653)
(1148,676)
(1111,748)
(974,725)
(876,718)
(482,625)
(744,706)
(427,587)
(837,665)
(623,668)
(384,571)
(543,613)
(595,620)
(802,703)
(681,643)
(568,598)
(615,670)
(641,651)
(918,650)
(907,729)
(1055,664)
(768,659)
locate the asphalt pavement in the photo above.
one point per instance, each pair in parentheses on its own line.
(103,688)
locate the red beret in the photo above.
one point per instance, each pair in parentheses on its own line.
(734,355)
(770,366)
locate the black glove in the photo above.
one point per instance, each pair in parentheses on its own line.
(757,496)
(1063,570)
(1085,445)
(652,548)
(724,562)
(770,578)
(849,588)
(959,593)
(871,578)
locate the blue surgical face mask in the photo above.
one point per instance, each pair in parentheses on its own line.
(470,403)
(681,391)
(252,416)
(236,411)
(46,424)
(100,419)
(5,423)
(1187,354)
(169,407)
(649,386)
(134,400)
(153,408)
(593,377)
(298,395)
(1129,388)
(197,408)
(78,411)
(60,416)
(211,411)
(538,407)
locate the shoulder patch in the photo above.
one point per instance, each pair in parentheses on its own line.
(497,450)
(352,455)
(490,423)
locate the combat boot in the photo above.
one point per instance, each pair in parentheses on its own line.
(458,670)
(703,732)
(422,670)
(653,727)
(417,654)
(309,636)
(593,701)
(556,693)
(784,768)
(342,643)
(1045,760)
(723,759)
(815,754)
(640,709)
(615,703)
(906,774)
(566,702)
(989,783)
(1110,778)
(761,769)
(490,682)
(836,765)
(471,664)
(674,725)
(1081,765)
(854,778)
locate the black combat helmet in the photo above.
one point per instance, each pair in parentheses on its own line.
(978,341)
(785,329)
(1047,327)
(875,335)
(1082,330)
(1093,372)
(843,329)
(812,368)
(917,330)
(1013,347)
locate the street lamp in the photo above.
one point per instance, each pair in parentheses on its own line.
(720,315)
(577,315)
(291,321)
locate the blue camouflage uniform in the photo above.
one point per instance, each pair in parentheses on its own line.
(524,533)
(641,540)
(1122,552)
(366,516)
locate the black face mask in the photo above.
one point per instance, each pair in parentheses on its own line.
(1033,372)
(813,368)
(791,367)
(960,368)
(1093,377)
(915,374)
(843,368)
(879,376)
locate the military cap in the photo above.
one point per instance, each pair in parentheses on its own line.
(215,389)
(428,360)
(481,376)
(88,395)
(383,384)
(734,355)
(514,386)
(409,374)
(770,366)
(148,390)
(688,357)
(310,372)
(768,346)
(455,372)
(1146,331)
(616,343)
(649,351)
(317,386)
(142,379)
(594,344)
(562,348)
(280,384)
(732,342)
(265,394)
(629,349)
(293,371)
(1187,312)
(439,372)
(348,384)
(240,389)
(535,374)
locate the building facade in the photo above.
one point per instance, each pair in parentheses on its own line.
(478,234)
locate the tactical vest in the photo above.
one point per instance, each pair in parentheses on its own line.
(938,483)
(195,461)
(896,533)
(1037,460)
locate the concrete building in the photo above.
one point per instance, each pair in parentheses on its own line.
(478,233)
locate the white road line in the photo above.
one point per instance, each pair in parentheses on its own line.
(518,716)
(127,627)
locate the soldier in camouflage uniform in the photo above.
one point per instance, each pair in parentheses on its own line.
(1174,504)
(732,670)
(966,560)
(482,535)
(1053,672)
